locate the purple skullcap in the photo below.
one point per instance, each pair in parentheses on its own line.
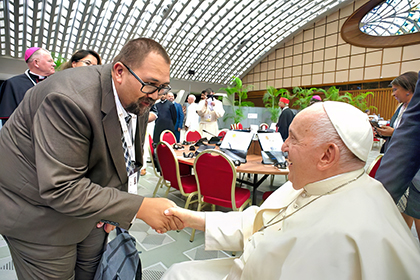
(29,52)
(317,97)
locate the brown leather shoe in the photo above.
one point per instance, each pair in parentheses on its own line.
(142,172)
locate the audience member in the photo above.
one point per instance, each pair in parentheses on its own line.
(405,193)
(40,65)
(70,163)
(331,221)
(82,58)
(315,98)
(209,110)
(402,89)
(192,118)
(167,117)
(179,116)
(285,118)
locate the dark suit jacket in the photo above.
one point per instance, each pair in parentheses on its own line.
(402,159)
(62,167)
(166,119)
(12,92)
(285,119)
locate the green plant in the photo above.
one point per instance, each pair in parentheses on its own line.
(237,105)
(359,101)
(303,96)
(333,94)
(271,100)
(58,60)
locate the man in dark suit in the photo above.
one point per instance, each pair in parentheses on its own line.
(64,184)
(40,66)
(166,118)
(285,118)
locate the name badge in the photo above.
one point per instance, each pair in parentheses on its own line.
(132,183)
(207,117)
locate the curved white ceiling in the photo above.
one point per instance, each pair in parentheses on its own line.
(217,39)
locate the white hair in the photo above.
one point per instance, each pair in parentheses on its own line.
(192,95)
(324,132)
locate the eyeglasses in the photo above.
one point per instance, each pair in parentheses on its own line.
(148,88)
(87,62)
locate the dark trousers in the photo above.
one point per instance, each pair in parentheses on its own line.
(75,261)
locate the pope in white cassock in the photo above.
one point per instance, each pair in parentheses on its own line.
(331,221)
(192,118)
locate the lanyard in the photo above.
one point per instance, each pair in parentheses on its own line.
(128,139)
(27,74)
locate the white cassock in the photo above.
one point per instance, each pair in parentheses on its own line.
(209,116)
(356,232)
(192,118)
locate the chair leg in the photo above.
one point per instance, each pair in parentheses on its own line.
(167,191)
(272,180)
(192,235)
(159,184)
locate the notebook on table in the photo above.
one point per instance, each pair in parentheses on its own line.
(271,147)
(235,144)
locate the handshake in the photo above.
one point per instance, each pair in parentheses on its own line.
(163,215)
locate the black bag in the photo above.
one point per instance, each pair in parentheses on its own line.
(120,259)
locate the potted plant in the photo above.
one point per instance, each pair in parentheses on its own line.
(303,96)
(271,100)
(58,60)
(241,93)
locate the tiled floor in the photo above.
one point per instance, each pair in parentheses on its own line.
(159,251)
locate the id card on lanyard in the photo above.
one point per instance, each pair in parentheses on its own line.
(132,176)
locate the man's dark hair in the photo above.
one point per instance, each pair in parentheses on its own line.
(407,81)
(208,90)
(135,51)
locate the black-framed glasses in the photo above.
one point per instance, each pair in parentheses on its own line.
(148,88)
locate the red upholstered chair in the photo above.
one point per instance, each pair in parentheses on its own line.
(168,137)
(193,136)
(264,126)
(236,126)
(171,173)
(373,167)
(216,182)
(222,133)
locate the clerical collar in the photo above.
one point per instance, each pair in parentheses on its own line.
(36,75)
(323,186)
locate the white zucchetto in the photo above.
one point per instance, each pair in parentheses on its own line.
(353,127)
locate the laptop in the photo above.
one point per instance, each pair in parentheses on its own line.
(271,147)
(235,145)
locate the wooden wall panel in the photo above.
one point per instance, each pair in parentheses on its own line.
(382,99)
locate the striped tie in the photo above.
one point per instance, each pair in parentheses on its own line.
(129,165)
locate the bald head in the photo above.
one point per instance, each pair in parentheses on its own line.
(191,99)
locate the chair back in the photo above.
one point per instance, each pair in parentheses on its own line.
(236,126)
(373,167)
(193,136)
(152,150)
(168,137)
(222,134)
(168,164)
(263,126)
(216,178)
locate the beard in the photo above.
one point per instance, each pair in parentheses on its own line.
(141,106)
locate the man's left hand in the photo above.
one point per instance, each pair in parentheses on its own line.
(107,227)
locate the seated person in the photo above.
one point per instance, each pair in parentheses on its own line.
(330,221)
